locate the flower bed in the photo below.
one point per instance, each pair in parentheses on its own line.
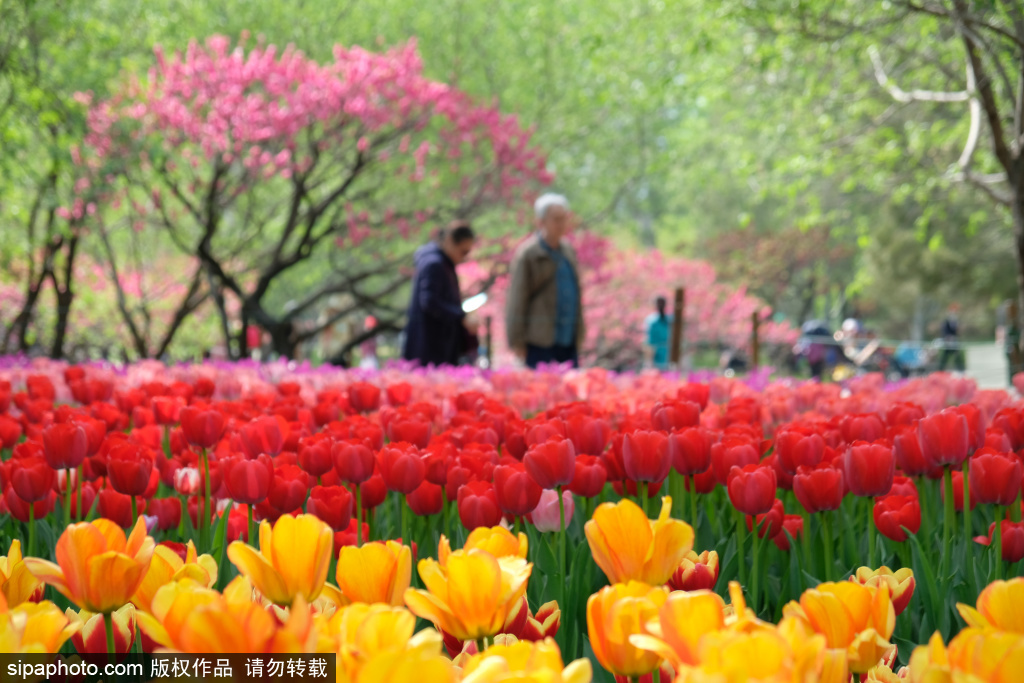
(476,526)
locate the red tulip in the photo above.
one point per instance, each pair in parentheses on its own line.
(1013,539)
(769,523)
(958,492)
(550,430)
(65,445)
(372,492)
(364,397)
(906,447)
(869,468)
(671,416)
(437,458)
(10,432)
(129,467)
(975,425)
(353,461)
(793,525)
(399,394)
(348,535)
(478,505)
(732,452)
(117,507)
(995,478)
(40,387)
(19,508)
(997,440)
(426,499)
(552,463)
(167,409)
(862,427)
(819,488)
(88,496)
(589,478)
(705,482)
(944,438)
(690,450)
(33,479)
(903,486)
(315,454)
(752,489)
(798,448)
(167,512)
(202,427)
(893,512)
(516,491)
(401,467)
(248,481)
(332,504)
(1011,422)
(645,456)
(696,392)
(589,435)
(414,431)
(262,435)
(288,488)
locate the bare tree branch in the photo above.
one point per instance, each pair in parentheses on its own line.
(901,95)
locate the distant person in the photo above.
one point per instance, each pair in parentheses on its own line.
(544,309)
(435,331)
(951,339)
(368,349)
(658,326)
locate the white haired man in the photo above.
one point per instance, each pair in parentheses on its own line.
(544,309)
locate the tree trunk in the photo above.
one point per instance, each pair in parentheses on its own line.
(1017,210)
(65,297)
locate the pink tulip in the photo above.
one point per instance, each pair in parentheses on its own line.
(546,515)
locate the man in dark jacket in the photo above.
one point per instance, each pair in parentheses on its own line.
(436,331)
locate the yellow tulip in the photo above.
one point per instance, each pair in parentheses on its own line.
(97,568)
(1000,607)
(738,616)
(17,583)
(629,547)
(985,655)
(901,583)
(882,674)
(930,663)
(742,657)
(682,621)
(187,617)
(366,630)
(167,566)
(852,617)
(524,661)
(471,596)
(614,614)
(293,560)
(35,627)
(417,663)
(375,572)
(498,541)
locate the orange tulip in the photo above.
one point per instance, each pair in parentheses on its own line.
(1000,606)
(188,617)
(614,614)
(930,663)
(97,568)
(852,617)
(901,583)
(763,656)
(167,566)
(16,582)
(471,596)
(375,572)
(682,621)
(497,540)
(35,627)
(524,661)
(990,656)
(629,547)
(293,560)
(91,637)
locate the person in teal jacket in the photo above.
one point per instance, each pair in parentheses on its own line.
(658,326)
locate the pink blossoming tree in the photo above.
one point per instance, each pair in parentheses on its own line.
(284,181)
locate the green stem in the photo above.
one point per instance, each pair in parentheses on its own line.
(947,526)
(359,519)
(135,512)
(31,530)
(741,536)
(693,503)
(404,515)
(68,490)
(642,485)
(755,577)
(999,542)
(871,538)
(675,490)
(81,513)
(805,543)
(561,543)
(444,514)
(517,526)
(656,676)
(826,532)
(1015,510)
(252,529)
(108,622)
(968,535)
(207,510)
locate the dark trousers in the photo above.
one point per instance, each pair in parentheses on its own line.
(551,354)
(955,355)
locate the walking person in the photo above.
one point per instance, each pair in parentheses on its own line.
(544,309)
(659,329)
(435,333)
(950,338)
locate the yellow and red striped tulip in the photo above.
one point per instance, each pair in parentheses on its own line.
(375,572)
(542,625)
(614,614)
(901,583)
(17,583)
(523,662)
(293,560)
(91,637)
(856,618)
(681,622)
(1000,606)
(628,546)
(35,627)
(167,566)
(97,568)
(496,540)
(696,572)
(985,655)
(471,596)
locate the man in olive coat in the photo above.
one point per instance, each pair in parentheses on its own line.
(544,309)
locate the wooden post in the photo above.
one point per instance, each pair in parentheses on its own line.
(755,342)
(487,340)
(678,319)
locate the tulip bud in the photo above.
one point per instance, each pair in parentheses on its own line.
(187,481)
(546,516)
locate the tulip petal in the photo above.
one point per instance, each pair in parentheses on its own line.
(50,574)
(260,572)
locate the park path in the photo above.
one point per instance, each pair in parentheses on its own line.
(986,364)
